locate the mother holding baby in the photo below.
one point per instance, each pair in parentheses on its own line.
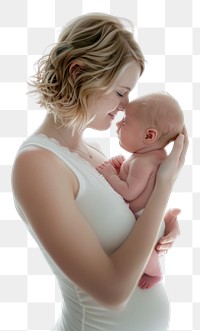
(84,228)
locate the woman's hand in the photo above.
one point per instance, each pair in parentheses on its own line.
(171,231)
(171,166)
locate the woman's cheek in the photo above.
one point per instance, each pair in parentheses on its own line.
(112,101)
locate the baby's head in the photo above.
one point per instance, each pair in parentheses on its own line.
(160,117)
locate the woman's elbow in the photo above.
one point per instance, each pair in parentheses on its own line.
(115,301)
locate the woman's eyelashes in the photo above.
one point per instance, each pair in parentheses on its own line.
(119,94)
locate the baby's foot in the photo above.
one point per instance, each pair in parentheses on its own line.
(147,281)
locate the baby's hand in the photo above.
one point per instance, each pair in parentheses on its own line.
(116,161)
(106,169)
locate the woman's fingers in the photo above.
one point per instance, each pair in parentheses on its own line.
(171,231)
(172,214)
(185,145)
(177,149)
(163,248)
(171,166)
(180,146)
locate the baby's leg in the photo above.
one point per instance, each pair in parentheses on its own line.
(146,281)
(153,266)
(152,273)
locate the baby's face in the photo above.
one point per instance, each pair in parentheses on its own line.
(129,129)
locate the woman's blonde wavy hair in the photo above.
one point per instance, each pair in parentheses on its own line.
(90,53)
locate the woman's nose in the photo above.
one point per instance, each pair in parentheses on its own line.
(124,102)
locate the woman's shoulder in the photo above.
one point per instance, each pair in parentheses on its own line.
(35,166)
(42,153)
(33,156)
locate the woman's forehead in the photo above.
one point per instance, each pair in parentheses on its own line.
(129,76)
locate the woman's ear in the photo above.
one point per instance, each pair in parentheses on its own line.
(150,136)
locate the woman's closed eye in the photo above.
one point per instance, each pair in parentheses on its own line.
(119,94)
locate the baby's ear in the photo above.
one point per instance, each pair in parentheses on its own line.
(150,136)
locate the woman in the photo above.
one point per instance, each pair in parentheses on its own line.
(83,227)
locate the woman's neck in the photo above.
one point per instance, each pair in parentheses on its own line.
(74,142)
(63,135)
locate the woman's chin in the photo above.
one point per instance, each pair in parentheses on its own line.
(104,125)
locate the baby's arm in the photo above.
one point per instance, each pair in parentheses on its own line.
(136,181)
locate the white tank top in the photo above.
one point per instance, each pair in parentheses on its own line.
(111,219)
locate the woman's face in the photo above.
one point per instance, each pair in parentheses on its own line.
(106,106)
